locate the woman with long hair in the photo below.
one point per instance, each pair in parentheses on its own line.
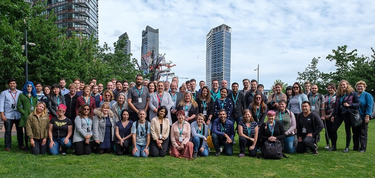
(37,129)
(295,101)
(346,99)
(248,134)
(258,109)
(86,98)
(55,99)
(25,105)
(206,105)
(83,135)
(189,106)
(123,133)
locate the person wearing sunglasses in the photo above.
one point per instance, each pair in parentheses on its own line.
(60,131)
(82,138)
(295,101)
(258,109)
(108,97)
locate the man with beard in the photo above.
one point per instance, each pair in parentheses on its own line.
(138,98)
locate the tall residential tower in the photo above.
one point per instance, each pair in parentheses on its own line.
(150,42)
(128,42)
(218,47)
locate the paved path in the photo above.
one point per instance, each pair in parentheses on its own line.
(2,130)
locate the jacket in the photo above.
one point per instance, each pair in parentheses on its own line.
(24,104)
(53,102)
(37,128)
(352,99)
(301,98)
(71,103)
(81,129)
(81,101)
(155,128)
(99,123)
(165,101)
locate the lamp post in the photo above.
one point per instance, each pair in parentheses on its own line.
(30,2)
(257,69)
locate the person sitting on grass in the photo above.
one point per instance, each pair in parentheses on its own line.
(271,130)
(248,133)
(141,135)
(223,134)
(83,136)
(180,137)
(123,133)
(60,131)
(199,132)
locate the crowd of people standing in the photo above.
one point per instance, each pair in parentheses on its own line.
(152,118)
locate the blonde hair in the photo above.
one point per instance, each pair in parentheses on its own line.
(361,82)
(44,113)
(182,102)
(110,92)
(340,91)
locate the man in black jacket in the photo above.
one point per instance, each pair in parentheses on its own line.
(309,125)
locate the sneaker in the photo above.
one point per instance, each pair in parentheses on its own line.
(315,152)
(221,149)
(327,147)
(63,154)
(217,154)
(195,154)
(362,151)
(346,150)
(332,149)
(241,155)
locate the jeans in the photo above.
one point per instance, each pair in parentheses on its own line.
(39,148)
(221,141)
(197,142)
(140,151)
(55,150)
(8,133)
(288,144)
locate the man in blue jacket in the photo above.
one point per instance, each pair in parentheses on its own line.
(223,134)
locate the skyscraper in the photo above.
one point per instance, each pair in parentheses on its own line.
(218,47)
(150,42)
(76,15)
(128,43)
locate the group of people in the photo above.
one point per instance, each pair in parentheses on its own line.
(144,118)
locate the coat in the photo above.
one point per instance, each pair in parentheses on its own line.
(166,101)
(23,106)
(99,125)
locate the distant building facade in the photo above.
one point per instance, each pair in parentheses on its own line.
(150,42)
(128,43)
(218,54)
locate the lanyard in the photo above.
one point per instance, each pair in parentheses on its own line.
(273,128)
(201,131)
(314,100)
(31,100)
(281,117)
(58,101)
(235,100)
(194,94)
(204,105)
(214,95)
(277,97)
(160,98)
(87,101)
(139,93)
(14,97)
(186,108)
(329,98)
(248,129)
(221,103)
(181,129)
(223,129)
(173,97)
(87,121)
(258,110)
(119,111)
(342,99)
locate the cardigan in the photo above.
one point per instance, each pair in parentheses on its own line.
(166,101)
(194,132)
(175,134)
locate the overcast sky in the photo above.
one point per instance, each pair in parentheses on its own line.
(281,36)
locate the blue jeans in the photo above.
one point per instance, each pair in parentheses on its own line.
(288,144)
(221,141)
(55,150)
(8,133)
(197,143)
(140,151)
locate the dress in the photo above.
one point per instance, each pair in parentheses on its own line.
(107,137)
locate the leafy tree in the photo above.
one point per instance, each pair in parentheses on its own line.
(284,85)
(313,75)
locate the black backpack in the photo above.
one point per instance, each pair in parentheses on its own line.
(272,150)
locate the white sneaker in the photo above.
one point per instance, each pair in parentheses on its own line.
(326,147)
(221,149)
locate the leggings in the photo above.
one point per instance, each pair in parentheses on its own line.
(336,124)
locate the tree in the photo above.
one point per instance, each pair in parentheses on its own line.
(284,85)
(313,75)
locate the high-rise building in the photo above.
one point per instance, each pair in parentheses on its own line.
(76,15)
(128,43)
(218,47)
(150,42)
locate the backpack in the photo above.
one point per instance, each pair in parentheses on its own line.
(146,126)
(272,150)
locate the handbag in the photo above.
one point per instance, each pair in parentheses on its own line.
(355,118)
(209,140)
(272,150)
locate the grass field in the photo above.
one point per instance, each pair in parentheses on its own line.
(17,163)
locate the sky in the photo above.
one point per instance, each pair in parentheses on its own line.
(281,36)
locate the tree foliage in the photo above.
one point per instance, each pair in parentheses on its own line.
(282,83)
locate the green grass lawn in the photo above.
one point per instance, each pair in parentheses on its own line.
(17,163)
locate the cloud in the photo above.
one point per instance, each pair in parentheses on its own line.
(281,36)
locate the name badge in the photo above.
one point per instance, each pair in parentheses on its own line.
(160,136)
(304,130)
(205,112)
(32,108)
(88,130)
(313,108)
(187,113)
(13,106)
(180,139)
(139,100)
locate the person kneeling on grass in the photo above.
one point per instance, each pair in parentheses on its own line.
(271,130)
(199,132)
(180,136)
(37,129)
(223,134)
(309,126)
(60,130)
(141,135)
(248,133)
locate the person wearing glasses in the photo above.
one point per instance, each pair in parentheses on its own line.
(258,109)
(108,97)
(295,101)
(82,138)
(60,131)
